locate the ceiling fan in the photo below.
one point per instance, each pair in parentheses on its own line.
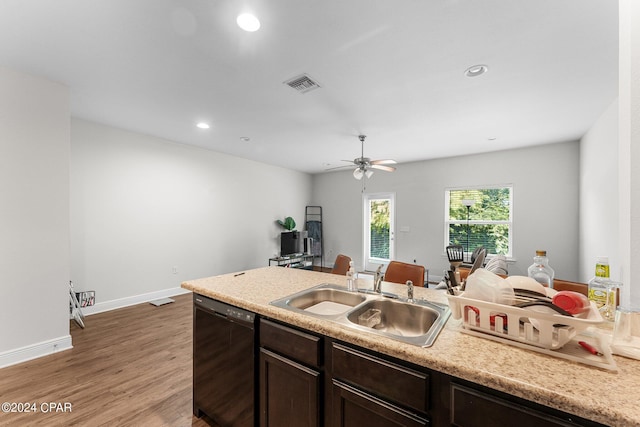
(365,166)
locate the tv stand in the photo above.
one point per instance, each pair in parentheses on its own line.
(303,261)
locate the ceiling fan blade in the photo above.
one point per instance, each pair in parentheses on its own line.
(383,162)
(383,168)
(341,167)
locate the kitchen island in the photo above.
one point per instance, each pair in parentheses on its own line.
(602,396)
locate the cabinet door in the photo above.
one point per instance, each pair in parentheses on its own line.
(289,392)
(354,408)
(473,408)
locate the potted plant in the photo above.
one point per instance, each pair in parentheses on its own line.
(288,224)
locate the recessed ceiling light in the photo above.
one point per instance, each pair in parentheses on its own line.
(476,70)
(492,138)
(203,125)
(248,22)
(245,139)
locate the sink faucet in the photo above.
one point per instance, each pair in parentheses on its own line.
(377,281)
(410,291)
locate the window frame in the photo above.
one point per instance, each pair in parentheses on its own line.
(509,222)
(371,263)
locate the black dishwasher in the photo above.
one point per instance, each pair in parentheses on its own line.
(223,362)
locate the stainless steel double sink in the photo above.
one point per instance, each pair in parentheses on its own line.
(417,323)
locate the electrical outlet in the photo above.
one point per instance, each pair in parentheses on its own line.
(174,270)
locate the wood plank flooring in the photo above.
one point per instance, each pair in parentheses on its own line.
(128,367)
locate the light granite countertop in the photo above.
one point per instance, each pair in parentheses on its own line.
(611,398)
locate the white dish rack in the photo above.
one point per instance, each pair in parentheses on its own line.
(553,334)
(526,325)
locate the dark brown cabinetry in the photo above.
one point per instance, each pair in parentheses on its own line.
(354,408)
(368,390)
(471,407)
(307,379)
(290,379)
(380,377)
(289,392)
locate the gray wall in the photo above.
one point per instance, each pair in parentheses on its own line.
(545,205)
(34,217)
(599,207)
(142,206)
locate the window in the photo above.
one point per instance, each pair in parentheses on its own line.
(378,229)
(480,217)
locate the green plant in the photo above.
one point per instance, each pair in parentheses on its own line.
(288,223)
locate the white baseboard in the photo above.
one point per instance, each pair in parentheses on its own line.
(132,300)
(45,348)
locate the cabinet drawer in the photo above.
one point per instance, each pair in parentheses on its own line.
(295,344)
(471,408)
(381,377)
(354,408)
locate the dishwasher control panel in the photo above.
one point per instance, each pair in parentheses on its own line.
(223,309)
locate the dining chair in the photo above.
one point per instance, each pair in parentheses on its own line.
(341,265)
(400,272)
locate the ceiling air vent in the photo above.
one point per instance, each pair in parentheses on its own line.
(302,83)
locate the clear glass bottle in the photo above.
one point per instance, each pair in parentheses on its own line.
(540,269)
(602,290)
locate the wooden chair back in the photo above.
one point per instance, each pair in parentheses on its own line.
(565,285)
(341,265)
(400,272)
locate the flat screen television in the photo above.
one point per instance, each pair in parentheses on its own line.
(292,242)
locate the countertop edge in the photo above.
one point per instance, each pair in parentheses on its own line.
(598,411)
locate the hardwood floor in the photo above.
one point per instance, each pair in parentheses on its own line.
(128,367)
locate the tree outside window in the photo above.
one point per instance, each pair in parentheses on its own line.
(378,229)
(489,219)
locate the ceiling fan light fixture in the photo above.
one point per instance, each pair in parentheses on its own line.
(364,165)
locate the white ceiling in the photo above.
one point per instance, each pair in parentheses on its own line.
(391,69)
